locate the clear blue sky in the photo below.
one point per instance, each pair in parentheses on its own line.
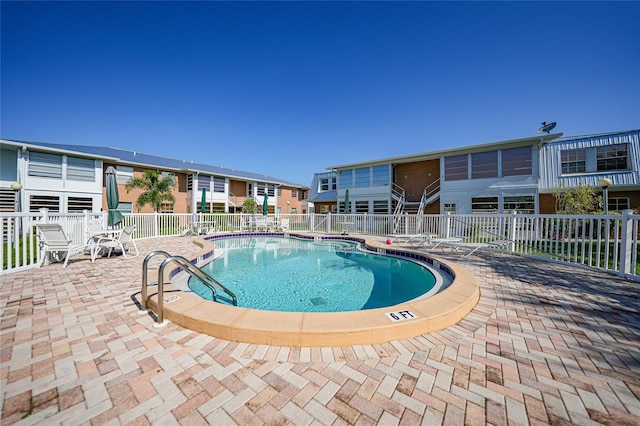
(290,88)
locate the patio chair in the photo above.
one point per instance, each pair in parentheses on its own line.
(94,232)
(54,243)
(262,223)
(123,241)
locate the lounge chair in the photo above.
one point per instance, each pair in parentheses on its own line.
(431,240)
(124,242)
(55,243)
(283,225)
(188,232)
(472,248)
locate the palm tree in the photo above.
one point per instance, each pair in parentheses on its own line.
(155,189)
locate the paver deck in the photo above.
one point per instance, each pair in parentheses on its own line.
(547,344)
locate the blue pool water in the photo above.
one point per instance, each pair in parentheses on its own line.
(295,275)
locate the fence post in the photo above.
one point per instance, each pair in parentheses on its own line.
(328,222)
(45,214)
(447,225)
(85,223)
(312,221)
(512,231)
(626,242)
(155,224)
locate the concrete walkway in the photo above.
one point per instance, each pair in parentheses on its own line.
(547,344)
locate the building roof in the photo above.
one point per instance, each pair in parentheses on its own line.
(594,136)
(512,143)
(123,156)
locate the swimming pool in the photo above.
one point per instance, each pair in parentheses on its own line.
(278,273)
(452,302)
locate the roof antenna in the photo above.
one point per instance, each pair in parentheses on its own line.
(547,127)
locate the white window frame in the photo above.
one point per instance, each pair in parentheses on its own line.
(124,173)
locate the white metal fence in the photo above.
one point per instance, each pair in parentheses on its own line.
(607,242)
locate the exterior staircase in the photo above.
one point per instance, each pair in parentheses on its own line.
(430,195)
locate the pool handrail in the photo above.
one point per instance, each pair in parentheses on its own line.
(145,267)
(192,270)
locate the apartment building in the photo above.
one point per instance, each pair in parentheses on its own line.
(513,175)
(70,178)
(587,160)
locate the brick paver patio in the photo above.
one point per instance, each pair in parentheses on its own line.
(547,344)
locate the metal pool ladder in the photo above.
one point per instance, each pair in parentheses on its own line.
(185,265)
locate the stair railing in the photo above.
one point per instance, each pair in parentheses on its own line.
(188,267)
(398,193)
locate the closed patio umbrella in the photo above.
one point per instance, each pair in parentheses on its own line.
(114,217)
(265,204)
(203,202)
(347,206)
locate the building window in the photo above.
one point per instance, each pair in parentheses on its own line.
(362,207)
(612,157)
(381,176)
(166,207)
(45,165)
(218,184)
(618,204)
(341,207)
(456,167)
(294,193)
(327,184)
(523,204)
(81,169)
(37,202)
(484,205)
(217,208)
(165,175)
(517,162)
(484,165)
(124,174)
(78,204)
(450,208)
(270,190)
(381,207)
(125,208)
(279,191)
(362,177)
(346,179)
(204,182)
(249,190)
(8,200)
(294,210)
(189,182)
(573,160)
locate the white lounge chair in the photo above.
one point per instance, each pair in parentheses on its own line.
(55,243)
(188,232)
(124,242)
(283,225)
(472,248)
(431,240)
